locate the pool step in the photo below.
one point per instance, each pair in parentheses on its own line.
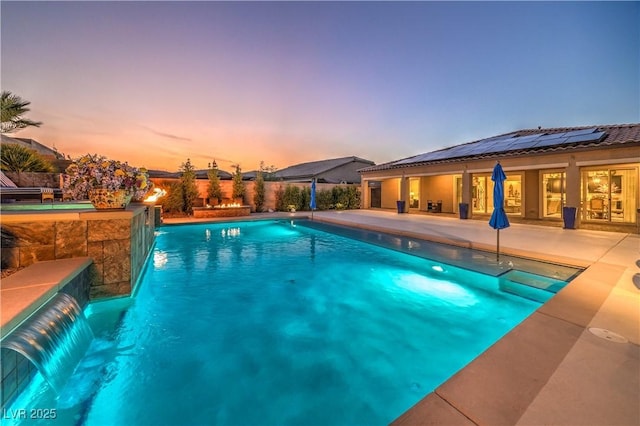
(530,286)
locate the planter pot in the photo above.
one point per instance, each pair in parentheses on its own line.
(464,210)
(107,199)
(569,217)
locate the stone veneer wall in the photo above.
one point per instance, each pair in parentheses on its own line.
(117,241)
(17,371)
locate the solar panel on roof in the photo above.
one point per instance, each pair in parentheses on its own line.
(521,142)
(507,143)
(551,136)
(581,132)
(465,149)
(566,139)
(585,137)
(549,142)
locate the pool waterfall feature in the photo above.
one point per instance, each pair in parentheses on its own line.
(54,339)
(117,242)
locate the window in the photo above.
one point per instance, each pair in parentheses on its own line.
(483,194)
(553,194)
(479,197)
(414,193)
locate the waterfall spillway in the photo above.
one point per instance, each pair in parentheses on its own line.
(54,339)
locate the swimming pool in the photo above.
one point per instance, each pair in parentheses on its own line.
(273,322)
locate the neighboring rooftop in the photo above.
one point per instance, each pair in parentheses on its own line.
(33,144)
(335,170)
(524,142)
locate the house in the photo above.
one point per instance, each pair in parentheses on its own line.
(335,170)
(593,169)
(45,151)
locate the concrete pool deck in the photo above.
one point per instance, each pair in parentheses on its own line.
(551,369)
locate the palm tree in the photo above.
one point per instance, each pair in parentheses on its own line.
(13,108)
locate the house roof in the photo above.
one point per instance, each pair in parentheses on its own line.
(524,142)
(33,144)
(312,169)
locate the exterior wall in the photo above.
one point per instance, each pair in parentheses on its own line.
(437,188)
(270,188)
(118,243)
(29,179)
(532,197)
(390,193)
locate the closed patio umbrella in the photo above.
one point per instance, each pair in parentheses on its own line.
(499,218)
(312,203)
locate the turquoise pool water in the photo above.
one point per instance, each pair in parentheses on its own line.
(265,323)
(77,205)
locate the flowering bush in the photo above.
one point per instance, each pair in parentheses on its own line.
(96,171)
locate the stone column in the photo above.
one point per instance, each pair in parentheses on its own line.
(365,195)
(404,191)
(573,195)
(467,190)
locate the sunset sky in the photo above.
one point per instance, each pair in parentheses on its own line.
(155,83)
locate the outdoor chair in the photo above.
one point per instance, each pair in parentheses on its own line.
(9,190)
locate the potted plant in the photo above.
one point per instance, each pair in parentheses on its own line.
(108,184)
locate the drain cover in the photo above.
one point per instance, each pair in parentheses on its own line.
(609,335)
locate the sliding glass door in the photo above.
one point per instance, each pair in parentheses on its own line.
(610,195)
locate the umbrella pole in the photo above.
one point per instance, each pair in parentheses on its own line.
(498,247)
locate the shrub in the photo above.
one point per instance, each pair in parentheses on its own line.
(173,202)
(305,198)
(188,186)
(279,195)
(259,192)
(324,199)
(353,195)
(18,158)
(292,197)
(238,185)
(214,190)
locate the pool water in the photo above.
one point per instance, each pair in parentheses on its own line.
(76,205)
(267,322)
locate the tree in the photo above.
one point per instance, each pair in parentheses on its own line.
(173,202)
(18,158)
(189,187)
(268,172)
(13,108)
(238,185)
(214,190)
(259,192)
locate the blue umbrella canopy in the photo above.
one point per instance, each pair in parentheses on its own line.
(499,218)
(312,204)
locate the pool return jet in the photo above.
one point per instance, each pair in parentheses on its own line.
(499,218)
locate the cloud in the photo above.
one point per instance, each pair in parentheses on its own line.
(166,135)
